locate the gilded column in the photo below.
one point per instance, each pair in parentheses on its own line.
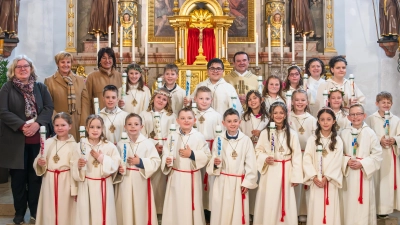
(329,27)
(71,26)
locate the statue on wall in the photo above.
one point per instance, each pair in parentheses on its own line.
(300,17)
(9,10)
(101,17)
(389,17)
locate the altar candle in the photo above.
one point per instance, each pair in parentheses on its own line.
(305,81)
(319,156)
(159,82)
(256,49)
(146,53)
(123,92)
(172,128)
(116,21)
(98,44)
(157,120)
(233,100)
(269,43)
(325,97)
(293,43)
(272,132)
(42,140)
(387,126)
(96,106)
(223,51)
(260,84)
(281,40)
(133,43)
(109,36)
(304,50)
(82,135)
(121,34)
(354,143)
(289,102)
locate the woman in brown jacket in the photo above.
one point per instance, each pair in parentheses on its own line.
(69,92)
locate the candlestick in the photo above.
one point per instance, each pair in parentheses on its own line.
(260,85)
(133,43)
(218,131)
(42,140)
(124,141)
(157,120)
(304,49)
(146,53)
(121,34)
(269,43)
(232,103)
(325,97)
(354,143)
(281,40)
(123,92)
(172,128)
(305,81)
(159,82)
(256,49)
(293,60)
(387,127)
(109,36)
(319,156)
(272,133)
(82,135)
(96,106)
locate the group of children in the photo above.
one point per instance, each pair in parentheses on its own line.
(273,160)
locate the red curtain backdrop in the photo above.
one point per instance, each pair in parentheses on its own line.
(193,44)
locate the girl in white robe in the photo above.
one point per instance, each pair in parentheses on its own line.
(338,69)
(281,170)
(360,162)
(137,96)
(324,204)
(160,102)
(305,125)
(315,69)
(234,168)
(134,198)
(185,153)
(253,121)
(387,179)
(93,171)
(272,91)
(335,99)
(58,191)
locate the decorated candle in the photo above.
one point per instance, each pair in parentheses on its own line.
(232,103)
(304,50)
(289,103)
(319,156)
(218,131)
(82,145)
(272,133)
(354,143)
(124,78)
(188,83)
(260,84)
(194,105)
(281,40)
(159,82)
(387,126)
(96,106)
(157,120)
(305,81)
(42,140)
(351,79)
(172,128)
(325,97)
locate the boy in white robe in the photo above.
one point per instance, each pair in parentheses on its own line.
(185,153)
(223,94)
(362,159)
(171,74)
(134,198)
(235,169)
(112,115)
(387,179)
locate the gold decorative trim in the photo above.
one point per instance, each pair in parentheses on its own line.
(329,27)
(71,27)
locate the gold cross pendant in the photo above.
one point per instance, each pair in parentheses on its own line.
(95,163)
(56,158)
(112,128)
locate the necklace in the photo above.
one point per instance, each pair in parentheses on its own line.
(234,153)
(281,149)
(202,119)
(134,102)
(95,162)
(324,151)
(112,127)
(301,129)
(184,144)
(356,139)
(130,145)
(254,138)
(56,158)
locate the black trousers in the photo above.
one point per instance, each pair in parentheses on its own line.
(25,185)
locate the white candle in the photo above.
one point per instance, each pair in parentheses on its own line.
(293,44)
(218,131)
(233,100)
(157,120)
(260,85)
(351,79)
(42,132)
(319,156)
(124,153)
(256,49)
(354,143)
(96,106)
(98,44)
(289,100)
(272,133)
(146,62)
(172,128)
(325,97)
(304,49)
(387,130)
(188,82)
(159,82)
(194,105)
(305,81)
(281,34)
(123,92)
(133,43)
(82,145)
(269,43)
(121,34)
(109,36)
(116,22)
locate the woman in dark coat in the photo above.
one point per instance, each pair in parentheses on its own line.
(25,105)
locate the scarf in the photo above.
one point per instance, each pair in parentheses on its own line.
(71,94)
(29,97)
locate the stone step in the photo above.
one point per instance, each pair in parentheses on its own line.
(388,221)
(7,210)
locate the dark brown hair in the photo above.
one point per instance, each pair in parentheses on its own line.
(131,115)
(287,81)
(263,107)
(136,67)
(280,93)
(64,116)
(333,129)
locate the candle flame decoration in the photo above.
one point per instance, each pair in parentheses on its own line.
(305,81)
(351,79)
(272,136)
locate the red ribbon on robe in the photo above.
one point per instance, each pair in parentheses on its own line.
(243,195)
(326,200)
(103,195)
(360,197)
(56,173)
(205,181)
(283,187)
(395,168)
(192,176)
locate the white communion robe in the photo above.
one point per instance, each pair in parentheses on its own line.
(211,119)
(345,87)
(183,202)
(134,200)
(142,99)
(95,203)
(229,205)
(57,183)
(269,101)
(309,124)
(387,180)
(177,96)
(118,120)
(158,179)
(221,93)
(359,206)
(247,127)
(342,121)
(276,200)
(324,204)
(312,88)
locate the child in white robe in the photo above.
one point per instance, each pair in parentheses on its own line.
(362,159)
(305,125)
(315,68)
(253,122)
(93,171)
(293,79)
(272,91)
(171,74)
(112,115)
(387,179)
(335,99)
(58,190)
(223,93)
(234,168)
(160,102)
(337,66)
(323,171)
(280,165)
(134,200)
(137,96)
(185,153)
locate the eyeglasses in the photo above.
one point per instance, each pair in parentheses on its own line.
(356,114)
(106,58)
(218,69)
(294,74)
(24,66)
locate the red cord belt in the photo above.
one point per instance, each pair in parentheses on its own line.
(56,173)
(395,168)
(103,195)
(192,176)
(360,196)
(148,197)
(243,195)
(326,200)
(205,181)
(283,187)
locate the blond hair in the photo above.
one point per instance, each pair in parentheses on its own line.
(62,55)
(11,68)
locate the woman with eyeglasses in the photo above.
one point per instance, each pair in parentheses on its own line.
(107,74)
(68,92)
(25,105)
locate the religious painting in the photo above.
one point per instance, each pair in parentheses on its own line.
(159,27)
